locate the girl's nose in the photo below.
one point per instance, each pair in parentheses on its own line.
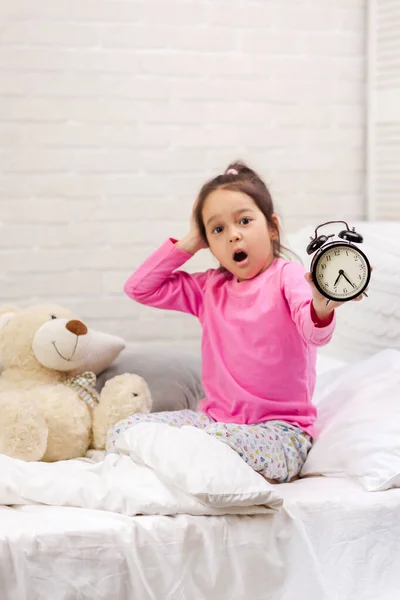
(234,236)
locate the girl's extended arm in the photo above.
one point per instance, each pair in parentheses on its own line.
(298,293)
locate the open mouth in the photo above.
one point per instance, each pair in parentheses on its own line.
(239,256)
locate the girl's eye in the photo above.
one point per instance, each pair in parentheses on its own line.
(217,229)
(245,221)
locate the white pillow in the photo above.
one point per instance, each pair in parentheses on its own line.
(327,363)
(201,465)
(358,424)
(103,349)
(364,328)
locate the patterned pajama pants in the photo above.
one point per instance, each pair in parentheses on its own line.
(275,449)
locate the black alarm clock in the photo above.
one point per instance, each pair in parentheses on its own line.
(340,270)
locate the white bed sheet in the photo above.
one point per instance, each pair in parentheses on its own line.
(332,541)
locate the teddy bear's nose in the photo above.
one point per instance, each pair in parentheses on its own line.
(77,327)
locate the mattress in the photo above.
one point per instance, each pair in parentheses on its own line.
(332,540)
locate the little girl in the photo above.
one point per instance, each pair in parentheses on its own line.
(262,321)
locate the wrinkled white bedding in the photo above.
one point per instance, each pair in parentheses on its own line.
(164,470)
(332,541)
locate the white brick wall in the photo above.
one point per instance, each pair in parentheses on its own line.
(112,114)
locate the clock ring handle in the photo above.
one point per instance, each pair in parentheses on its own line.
(350,235)
(329,223)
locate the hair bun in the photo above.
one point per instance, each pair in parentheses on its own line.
(240,168)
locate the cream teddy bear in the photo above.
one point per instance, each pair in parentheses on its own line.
(49,409)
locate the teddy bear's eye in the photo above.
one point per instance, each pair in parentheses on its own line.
(53,316)
(133,394)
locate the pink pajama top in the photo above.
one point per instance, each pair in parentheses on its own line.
(260,336)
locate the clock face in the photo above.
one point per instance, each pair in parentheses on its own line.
(341,272)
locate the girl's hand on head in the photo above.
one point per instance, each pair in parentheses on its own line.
(195,231)
(193,241)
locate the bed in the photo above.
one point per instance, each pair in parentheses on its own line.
(137,526)
(333,540)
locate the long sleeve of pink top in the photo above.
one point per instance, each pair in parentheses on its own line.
(259,337)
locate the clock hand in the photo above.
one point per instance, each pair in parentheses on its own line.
(364,293)
(348,280)
(335,284)
(339,276)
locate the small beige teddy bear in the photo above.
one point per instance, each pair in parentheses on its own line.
(120,397)
(49,408)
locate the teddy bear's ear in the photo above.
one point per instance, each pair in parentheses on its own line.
(8,308)
(6,318)
(7,312)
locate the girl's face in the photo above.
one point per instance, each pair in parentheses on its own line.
(238,233)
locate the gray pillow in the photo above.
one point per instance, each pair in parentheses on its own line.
(174,378)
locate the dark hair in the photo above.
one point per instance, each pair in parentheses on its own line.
(240,178)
